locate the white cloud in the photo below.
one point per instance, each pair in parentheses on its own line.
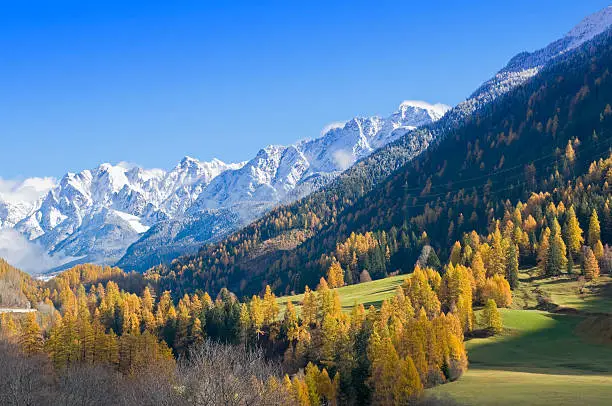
(343,159)
(127,165)
(439,108)
(331,126)
(28,190)
(26,255)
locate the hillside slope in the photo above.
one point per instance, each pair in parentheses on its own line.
(445,192)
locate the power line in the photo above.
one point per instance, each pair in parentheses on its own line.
(491,192)
(497,173)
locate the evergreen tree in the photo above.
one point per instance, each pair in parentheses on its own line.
(290,323)
(433,261)
(183,324)
(335,275)
(512,266)
(573,233)
(256,312)
(364,276)
(479,274)
(497,265)
(244,322)
(197,332)
(543,249)
(147,300)
(491,318)
(325,388)
(598,250)
(456,294)
(310,307)
(455,255)
(594,229)
(394,381)
(300,392)
(606,232)
(271,308)
(570,265)
(31,338)
(311,379)
(570,155)
(556,261)
(85,332)
(590,267)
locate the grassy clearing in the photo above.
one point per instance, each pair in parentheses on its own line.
(539,359)
(499,387)
(369,293)
(542,358)
(590,297)
(564,291)
(535,341)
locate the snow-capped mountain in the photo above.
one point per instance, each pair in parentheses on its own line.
(97,214)
(17,199)
(94,215)
(517,72)
(312,164)
(140,217)
(526,65)
(276,171)
(277,174)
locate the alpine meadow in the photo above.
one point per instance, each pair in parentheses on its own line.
(441,254)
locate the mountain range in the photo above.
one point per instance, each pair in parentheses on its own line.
(137,218)
(99,214)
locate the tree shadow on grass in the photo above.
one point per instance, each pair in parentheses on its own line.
(581,297)
(556,348)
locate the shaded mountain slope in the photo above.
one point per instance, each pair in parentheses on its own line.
(507,149)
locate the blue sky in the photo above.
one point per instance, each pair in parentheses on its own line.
(150,82)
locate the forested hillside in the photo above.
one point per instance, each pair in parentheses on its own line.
(534,139)
(91,320)
(124,336)
(17,288)
(86,325)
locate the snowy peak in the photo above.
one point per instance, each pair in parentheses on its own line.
(190,170)
(17,199)
(410,113)
(590,27)
(97,213)
(279,174)
(27,191)
(526,65)
(435,112)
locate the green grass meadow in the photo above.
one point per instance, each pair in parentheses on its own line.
(542,358)
(510,388)
(368,294)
